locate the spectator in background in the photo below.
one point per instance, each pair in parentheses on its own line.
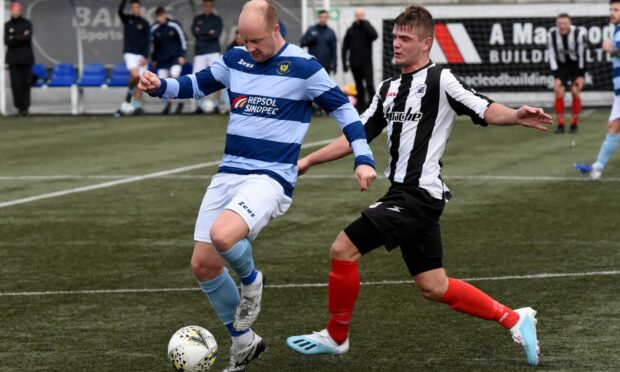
(207,29)
(357,48)
(237,41)
(169,47)
(321,42)
(19,57)
(136,45)
(568,64)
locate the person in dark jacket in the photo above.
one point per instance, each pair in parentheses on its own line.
(357,49)
(19,57)
(321,42)
(169,47)
(136,45)
(207,29)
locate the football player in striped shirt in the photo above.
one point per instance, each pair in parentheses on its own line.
(418,108)
(566,46)
(272,85)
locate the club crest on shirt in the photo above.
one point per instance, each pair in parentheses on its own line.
(419,90)
(284,68)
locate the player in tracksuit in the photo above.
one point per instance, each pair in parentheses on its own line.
(136,45)
(207,29)
(169,47)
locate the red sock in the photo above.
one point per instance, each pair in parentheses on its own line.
(576,110)
(559,110)
(344,286)
(468,299)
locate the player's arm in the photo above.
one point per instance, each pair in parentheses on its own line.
(533,117)
(121,13)
(330,98)
(464,100)
(374,123)
(581,52)
(198,85)
(553,64)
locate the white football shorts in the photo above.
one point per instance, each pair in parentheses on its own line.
(133,61)
(256,198)
(204,60)
(615,109)
(172,72)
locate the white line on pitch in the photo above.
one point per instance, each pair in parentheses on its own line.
(123,181)
(308,176)
(307,285)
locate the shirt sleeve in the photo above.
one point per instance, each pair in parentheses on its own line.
(581,51)
(553,63)
(463,99)
(325,93)
(373,118)
(198,85)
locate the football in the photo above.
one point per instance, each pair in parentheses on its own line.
(207,106)
(192,349)
(127,109)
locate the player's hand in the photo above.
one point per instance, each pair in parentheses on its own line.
(608,46)
(533,117)
(181,61)
(149,82)
(302,166)
(365,175)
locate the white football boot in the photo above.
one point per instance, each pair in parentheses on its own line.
(317,343)
(249,305)
(524,334)
(240,359)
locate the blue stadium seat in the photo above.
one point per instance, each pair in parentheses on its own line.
(39,75)
(93,75)
(120,76)
(63,75)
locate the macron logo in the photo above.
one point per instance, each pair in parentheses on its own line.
(242,62)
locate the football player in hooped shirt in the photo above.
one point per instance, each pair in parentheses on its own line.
(418,107)
(272,85)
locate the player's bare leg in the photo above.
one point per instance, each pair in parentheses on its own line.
(435,285)
(343,289)
(559,90)
(576,107)
(228,235)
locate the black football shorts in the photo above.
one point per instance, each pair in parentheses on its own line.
(405,217)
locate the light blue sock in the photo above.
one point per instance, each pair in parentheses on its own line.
(239,257)
(608,148)
(223,296)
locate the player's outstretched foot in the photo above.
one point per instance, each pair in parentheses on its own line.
(559,129)
(593,173)
(317,343)
(249,306)
(240,359)
(524,334)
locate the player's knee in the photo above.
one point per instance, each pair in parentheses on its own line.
(343,249)
(221,240)
(430,292)
(205,269)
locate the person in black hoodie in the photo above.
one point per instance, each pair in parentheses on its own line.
(169,47)
(321,42)
(207,29)
(136,45)
(19,57)
(357,48)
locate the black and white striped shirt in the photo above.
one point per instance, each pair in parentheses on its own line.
(418,110)
(567,49)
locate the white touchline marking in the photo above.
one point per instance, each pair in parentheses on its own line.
(308,176)
(122,181)
(307,285)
